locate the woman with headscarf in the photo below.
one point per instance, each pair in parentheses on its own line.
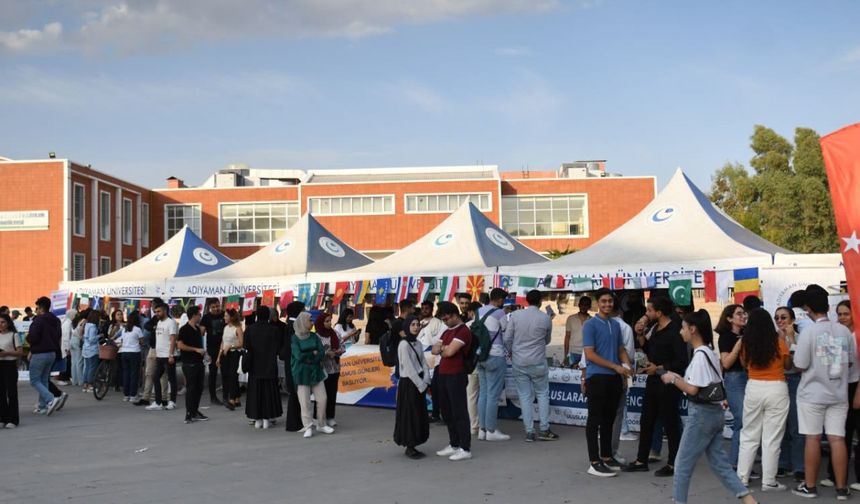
(262,341)
(293,421)
(411,424)
(308,374)
(331,363)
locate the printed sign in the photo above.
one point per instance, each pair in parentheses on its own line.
(363,371)
(23,220)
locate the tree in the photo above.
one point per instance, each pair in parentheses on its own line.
(786,200)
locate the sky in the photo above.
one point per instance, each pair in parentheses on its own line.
(148,89)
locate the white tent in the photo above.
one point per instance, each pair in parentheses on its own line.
(307,247)
(679,233)
(184,254)
(466,242)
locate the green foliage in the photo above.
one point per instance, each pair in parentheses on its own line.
(556,253)
(786,200)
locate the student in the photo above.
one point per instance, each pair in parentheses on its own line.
(307,358)
(165,346)
(573,332)
(129,338)
(10,352)
(491,372)
(232,341)
(191,351)
(730,328)
(452,380)
(411,425)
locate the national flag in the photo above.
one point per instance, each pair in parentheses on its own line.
(201,303)
(70,301)
(96,303)
(709,278)
(145,306)
(83,302)
(448,289)
(505,282)
(285,298)
(554,282)
(614,283)
(232,303)
(360,291)
(340,289)
(129,306)
(643,281)
(268,298)
(248,303)
(319,298)
(308,293)
(401,290)
(475,286)
(424,284)
(582,283)
(681,292)
(383,285)
(524,285)
(746,283)
(841,151)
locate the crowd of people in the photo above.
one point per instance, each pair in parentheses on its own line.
(787,379)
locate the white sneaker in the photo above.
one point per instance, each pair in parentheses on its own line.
(309,432)
(126,399)
(497,435)
(258,424)
(266,424)
(154,407)
(461,454)
(170,405)
(52,406)
(447,451)
(10,425)
(331,422)
(482,435)
(39,411)
(629,436)
(62,383)
(826,482)
(325,429)
(854,486)
(776,487)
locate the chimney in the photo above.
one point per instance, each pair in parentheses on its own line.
(175,183)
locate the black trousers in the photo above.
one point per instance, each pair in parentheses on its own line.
(229,376)
(161,364)
(130,372)
(213,376)
(660,401)
(9,393)
(331,384)
(434,398)
(193,372)
(455,411)
(604,393)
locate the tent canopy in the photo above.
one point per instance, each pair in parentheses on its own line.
(679,230)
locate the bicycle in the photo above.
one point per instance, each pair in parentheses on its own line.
(105,371)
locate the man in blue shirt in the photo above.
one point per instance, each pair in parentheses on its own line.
(608,365)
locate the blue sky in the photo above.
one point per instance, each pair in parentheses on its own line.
(149,89)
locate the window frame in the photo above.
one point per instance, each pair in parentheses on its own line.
(353,214)
(222,243)
(105,231)
(102,261)
(406,197)
(198,206)
(144,225)
(127,213)
(83,261)
(586,226)
(82,218)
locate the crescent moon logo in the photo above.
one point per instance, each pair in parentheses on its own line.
(663,214)
(204,256)
(443,239)
(498,239)
(675,291)
(331,246)
(160,257)
(283,246)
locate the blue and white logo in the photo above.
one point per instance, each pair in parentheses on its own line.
(499,239)
(443,239)
(332,247)
(283,246)
(664,214)
(160,257)
(204,256)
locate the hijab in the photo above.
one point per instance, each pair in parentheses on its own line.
(330,333)
(300,325)
(406,323)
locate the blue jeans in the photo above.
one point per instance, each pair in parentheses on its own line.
(90,365)
(40,373)
(703,434)
(491,377)
(735,383)
(791,452)
(533,381)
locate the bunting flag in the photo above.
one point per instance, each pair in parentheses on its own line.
(841,152)
(70,301)
(83,302)
(268,298)
(424,284)
(582,283)
(232,303)
(319,298)
(308,294)
(448,290)
(614,283)
(401,289)
(554,282)
(524,285)
(681,292)
(145,307)
(130,306)
(248,303)
(475,286)
(643,282)
(709,278)
(201,303)
(286,298)
(96,303)
(383,285)
(340,289)
(362,287)
(746,283)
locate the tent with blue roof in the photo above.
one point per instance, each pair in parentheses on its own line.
(185,254)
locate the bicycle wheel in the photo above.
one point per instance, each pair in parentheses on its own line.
(102,380)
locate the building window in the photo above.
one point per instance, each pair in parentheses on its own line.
(126,262)
(352,205)
(446,203)
(545,216)
(79,267)
(255,223)
(78,209)
(104,216)
(144,224)
(126,221)
(104,265)
(176,216)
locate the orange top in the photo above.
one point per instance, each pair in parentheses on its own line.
(775,370)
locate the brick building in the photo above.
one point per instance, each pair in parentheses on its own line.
(64,221)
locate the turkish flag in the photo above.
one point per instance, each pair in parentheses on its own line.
(841,151)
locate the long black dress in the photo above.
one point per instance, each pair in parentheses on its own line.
(293,421)
(411,425)
(264,399)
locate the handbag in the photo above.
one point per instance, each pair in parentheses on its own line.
(715,392)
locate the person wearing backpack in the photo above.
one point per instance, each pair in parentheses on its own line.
(492,366)
(451,393)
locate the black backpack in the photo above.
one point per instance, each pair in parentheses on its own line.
(479,348)
(388,348)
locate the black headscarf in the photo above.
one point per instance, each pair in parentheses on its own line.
(406,323)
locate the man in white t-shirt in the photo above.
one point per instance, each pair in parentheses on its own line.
(165,347)
(825,351)
(430,334)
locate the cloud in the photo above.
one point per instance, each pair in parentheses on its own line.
(31,40)
(131,26)
(852,56)
(513,52)
(417,95)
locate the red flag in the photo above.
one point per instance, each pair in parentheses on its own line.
(340,289)
(841,151)
(268,298)
(606,282)
(619,283)
(710,278)
(475,286)
(248,303)
(286,298)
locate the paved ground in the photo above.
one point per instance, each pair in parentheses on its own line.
(110,451)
